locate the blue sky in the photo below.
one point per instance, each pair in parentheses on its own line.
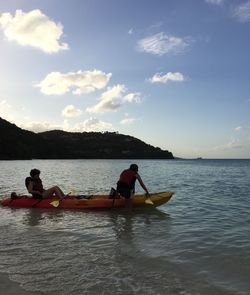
(174,74)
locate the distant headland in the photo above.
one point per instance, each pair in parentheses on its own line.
(19,144)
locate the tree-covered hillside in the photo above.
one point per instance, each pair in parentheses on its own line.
(16,143)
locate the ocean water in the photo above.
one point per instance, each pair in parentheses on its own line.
(197,243)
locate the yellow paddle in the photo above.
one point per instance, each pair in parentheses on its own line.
(72,191)
(56,203)
(148,200)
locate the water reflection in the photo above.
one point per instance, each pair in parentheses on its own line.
(34,217)
(129,227)
(122,224)
(123,220)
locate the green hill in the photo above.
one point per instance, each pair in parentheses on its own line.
(16,143)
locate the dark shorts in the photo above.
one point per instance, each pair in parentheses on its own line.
(124,190)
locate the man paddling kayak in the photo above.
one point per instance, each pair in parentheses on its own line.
(35,187)
(126,184)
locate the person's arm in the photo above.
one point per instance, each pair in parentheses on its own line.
(141,183)
(31,191)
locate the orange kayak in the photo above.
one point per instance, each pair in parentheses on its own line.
(88,202)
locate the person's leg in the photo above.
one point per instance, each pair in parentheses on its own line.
(60,191)
(53,190)
(129,200)
(126,193)
(48,193)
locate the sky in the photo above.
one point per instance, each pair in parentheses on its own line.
(172,73)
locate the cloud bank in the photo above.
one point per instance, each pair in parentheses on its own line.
(40,126)
(91,124)
(33,29)
(161,43)
(56,83)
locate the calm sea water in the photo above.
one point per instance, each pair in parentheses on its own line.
(198,243)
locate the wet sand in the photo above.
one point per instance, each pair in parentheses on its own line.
(7,287)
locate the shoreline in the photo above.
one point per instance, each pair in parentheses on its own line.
(8,287)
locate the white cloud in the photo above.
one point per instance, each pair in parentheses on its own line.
(133,97)
(5,110)
(131,31)
(104,106)
(164,78)
(128,121)
(233,144)
(161,43)
(113,99)
(91,124)
(71,111)
(110,100)
(239,128)
(56,83)
(114,92)
(242,129)
(11,112)
(242,12)
(215,2)
(4,105)
(40,126)
(33,29)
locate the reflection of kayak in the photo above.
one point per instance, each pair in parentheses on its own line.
(87,202)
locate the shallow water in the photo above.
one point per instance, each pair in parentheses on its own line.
(198,243)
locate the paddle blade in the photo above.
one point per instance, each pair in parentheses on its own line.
(72,192)
(55,203)
(149,201)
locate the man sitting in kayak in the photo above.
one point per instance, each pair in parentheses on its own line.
(126,184)
(35,187)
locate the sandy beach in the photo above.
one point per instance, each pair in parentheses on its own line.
(7,287)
